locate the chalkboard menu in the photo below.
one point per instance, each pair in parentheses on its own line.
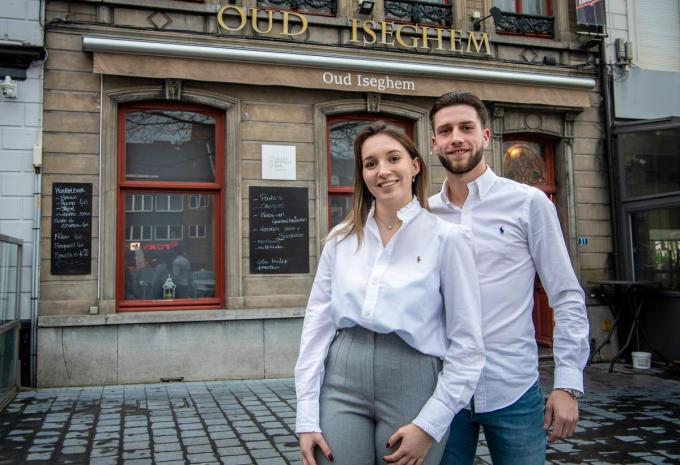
(279,230)
(71,228)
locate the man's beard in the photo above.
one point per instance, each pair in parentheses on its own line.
(467,167)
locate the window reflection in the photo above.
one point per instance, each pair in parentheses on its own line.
(172,241)
(651,162)
(656,246)
(163,145)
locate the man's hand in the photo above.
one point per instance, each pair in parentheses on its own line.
(561,413)
(308,441)
(415,443)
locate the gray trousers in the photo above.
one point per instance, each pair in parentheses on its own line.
(373,385)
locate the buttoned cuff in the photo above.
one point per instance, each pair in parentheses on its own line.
(434,418)
(307,417)
(568,377)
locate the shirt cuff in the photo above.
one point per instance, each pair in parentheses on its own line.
(568,377)
(307,418)
(434,418)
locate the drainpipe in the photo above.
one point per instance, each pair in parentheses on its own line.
(612,170)
(35,262)
(37,202)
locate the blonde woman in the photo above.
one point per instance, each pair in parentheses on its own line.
(391,345)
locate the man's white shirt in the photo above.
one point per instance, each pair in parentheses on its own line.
(516,233)
(400,288)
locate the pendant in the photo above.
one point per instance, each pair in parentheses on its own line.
(390,227)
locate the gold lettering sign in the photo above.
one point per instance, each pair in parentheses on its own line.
(367,33)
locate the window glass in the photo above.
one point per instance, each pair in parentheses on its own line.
(340,205)
(506,5)
(525,162)
(9,278)
(165,145)
(534,7)
(651,162)
(526,7)
(656,246)
(173,257)
(342,151)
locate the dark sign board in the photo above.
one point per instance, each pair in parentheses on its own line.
(590,15)
(279,230)
(71,228)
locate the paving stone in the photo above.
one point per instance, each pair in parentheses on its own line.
(171,447)
(627,417)
(201,458)
(236,460)
(168,456)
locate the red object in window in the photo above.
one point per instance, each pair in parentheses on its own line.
(173,178)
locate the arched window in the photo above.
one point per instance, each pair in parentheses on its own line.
(170,209)
(531,161)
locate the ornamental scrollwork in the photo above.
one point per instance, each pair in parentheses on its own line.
(323,7)
(417,12)
(526,24)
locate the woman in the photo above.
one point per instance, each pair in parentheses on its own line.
(368,378)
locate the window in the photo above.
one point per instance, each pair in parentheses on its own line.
(196,231)
(651,162)
(525,17)
(138,233)
(169,203)
(649,209)
(198,202)
(656,246)
(139,203)
(341,133)
(525,7)
(168,231)
(530,161)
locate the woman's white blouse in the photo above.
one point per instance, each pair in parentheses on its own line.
(404,287)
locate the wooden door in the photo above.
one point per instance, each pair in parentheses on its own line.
(530,160)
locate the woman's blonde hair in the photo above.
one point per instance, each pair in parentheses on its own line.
(362,199)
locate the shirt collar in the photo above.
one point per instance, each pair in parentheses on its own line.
(482,185)
(405,213)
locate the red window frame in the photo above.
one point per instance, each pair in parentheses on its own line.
(346,191)
(213,188)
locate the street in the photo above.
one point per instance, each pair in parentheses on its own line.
(627,417)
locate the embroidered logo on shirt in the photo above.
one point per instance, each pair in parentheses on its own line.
(502,230)
(418,259)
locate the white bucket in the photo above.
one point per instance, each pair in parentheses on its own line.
(642,360)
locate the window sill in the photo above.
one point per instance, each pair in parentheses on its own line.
(195,316)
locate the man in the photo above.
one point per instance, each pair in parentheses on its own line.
(516,233)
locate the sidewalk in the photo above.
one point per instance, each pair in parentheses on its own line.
(627,417)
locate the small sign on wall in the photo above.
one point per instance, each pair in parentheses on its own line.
(278,162)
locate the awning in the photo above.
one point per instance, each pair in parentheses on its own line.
(354,74)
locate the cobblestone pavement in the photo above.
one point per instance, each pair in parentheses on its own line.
(628,417)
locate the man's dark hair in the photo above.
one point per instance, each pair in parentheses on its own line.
(459,97)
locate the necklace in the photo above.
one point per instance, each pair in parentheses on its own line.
(389,226)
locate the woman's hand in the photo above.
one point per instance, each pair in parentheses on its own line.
(415,443)
(308,441)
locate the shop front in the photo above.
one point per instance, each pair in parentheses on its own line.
(197,155)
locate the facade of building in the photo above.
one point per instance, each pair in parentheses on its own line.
(198,153)
(21,81)
(643,56)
